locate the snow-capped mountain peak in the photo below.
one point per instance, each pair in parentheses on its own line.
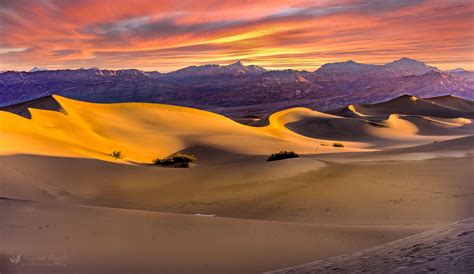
(37,69)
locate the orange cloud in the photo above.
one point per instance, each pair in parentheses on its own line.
(166,35)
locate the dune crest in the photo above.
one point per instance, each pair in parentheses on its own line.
(353,109)
(402,126)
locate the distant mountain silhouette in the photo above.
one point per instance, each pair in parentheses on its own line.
(407,66)
(349,70)
(236,86)
(460,72)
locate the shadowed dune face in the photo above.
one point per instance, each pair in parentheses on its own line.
(453,102)
(432,126)
(434,107)
(348,112)
(395,130)
(336,128)
(22,109)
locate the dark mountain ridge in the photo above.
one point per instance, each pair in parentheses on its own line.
(236,85)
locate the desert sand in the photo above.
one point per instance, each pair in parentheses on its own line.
(134,241)
(65,195)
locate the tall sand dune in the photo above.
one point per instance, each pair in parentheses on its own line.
(142,132)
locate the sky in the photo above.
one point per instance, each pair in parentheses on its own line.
(277,34)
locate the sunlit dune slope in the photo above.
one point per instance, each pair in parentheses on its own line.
(142,132)
(287,119)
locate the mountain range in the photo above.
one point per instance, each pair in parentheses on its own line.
(239,88)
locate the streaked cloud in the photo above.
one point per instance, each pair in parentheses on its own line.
(166,35)
(10,50)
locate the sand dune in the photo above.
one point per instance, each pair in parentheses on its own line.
(453,102)
(348,112)
(337,128)
(396,130)
(433,126)
(411,105)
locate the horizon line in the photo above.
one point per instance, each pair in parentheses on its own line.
(225,65)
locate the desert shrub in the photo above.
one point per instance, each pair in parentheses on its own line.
(117,154)
(282,155)
(176,160)
(337,145)
(324,145)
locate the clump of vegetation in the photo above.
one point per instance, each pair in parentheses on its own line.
(338,145)
(117,154)
(324,145)
(282,155)
(176,160)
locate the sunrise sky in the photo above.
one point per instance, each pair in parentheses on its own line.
(276,34)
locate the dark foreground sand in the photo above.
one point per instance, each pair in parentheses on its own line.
(446,249)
